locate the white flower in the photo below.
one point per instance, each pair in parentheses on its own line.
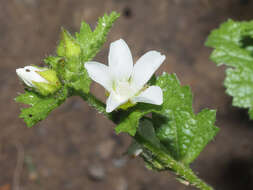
(124,81)
(29,74)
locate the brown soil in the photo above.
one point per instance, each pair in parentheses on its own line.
(76,148)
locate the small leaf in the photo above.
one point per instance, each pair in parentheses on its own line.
(147,132)
(28,97)
(41,106)
(92,43)
(85,34)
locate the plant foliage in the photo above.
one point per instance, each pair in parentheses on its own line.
(233,46)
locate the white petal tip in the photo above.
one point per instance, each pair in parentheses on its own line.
(18,71)
(159,99)
(118,41)
(107,109)
(158,55)
(152,95)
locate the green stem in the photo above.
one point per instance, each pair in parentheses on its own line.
(168,162)
(94,102)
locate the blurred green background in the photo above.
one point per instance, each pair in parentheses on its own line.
(75,147)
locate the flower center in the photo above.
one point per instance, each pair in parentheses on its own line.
(123,90)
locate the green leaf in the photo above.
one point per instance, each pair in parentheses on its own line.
(233,46)
(183,133)
(129,120)
(147,132)
(85,34)
(41,106)
(91,42)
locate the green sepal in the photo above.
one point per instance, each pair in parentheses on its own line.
(55,63)
(53,84)
(127,105)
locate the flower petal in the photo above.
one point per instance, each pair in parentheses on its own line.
(29,74)
(120,60)
(145,67)
(99,73)
(152,95)
(113,102)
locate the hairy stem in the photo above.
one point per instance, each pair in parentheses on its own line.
(168,162)
(95,103)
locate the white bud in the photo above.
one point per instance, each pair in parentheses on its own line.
(43,80)
(29,74)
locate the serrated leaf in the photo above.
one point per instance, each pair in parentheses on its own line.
(182,132)
(91,42)
(85,34)
(239,84)
(28,97)
(232,44)
(41,106)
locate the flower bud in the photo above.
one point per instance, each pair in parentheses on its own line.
(68,46)
(43,80)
